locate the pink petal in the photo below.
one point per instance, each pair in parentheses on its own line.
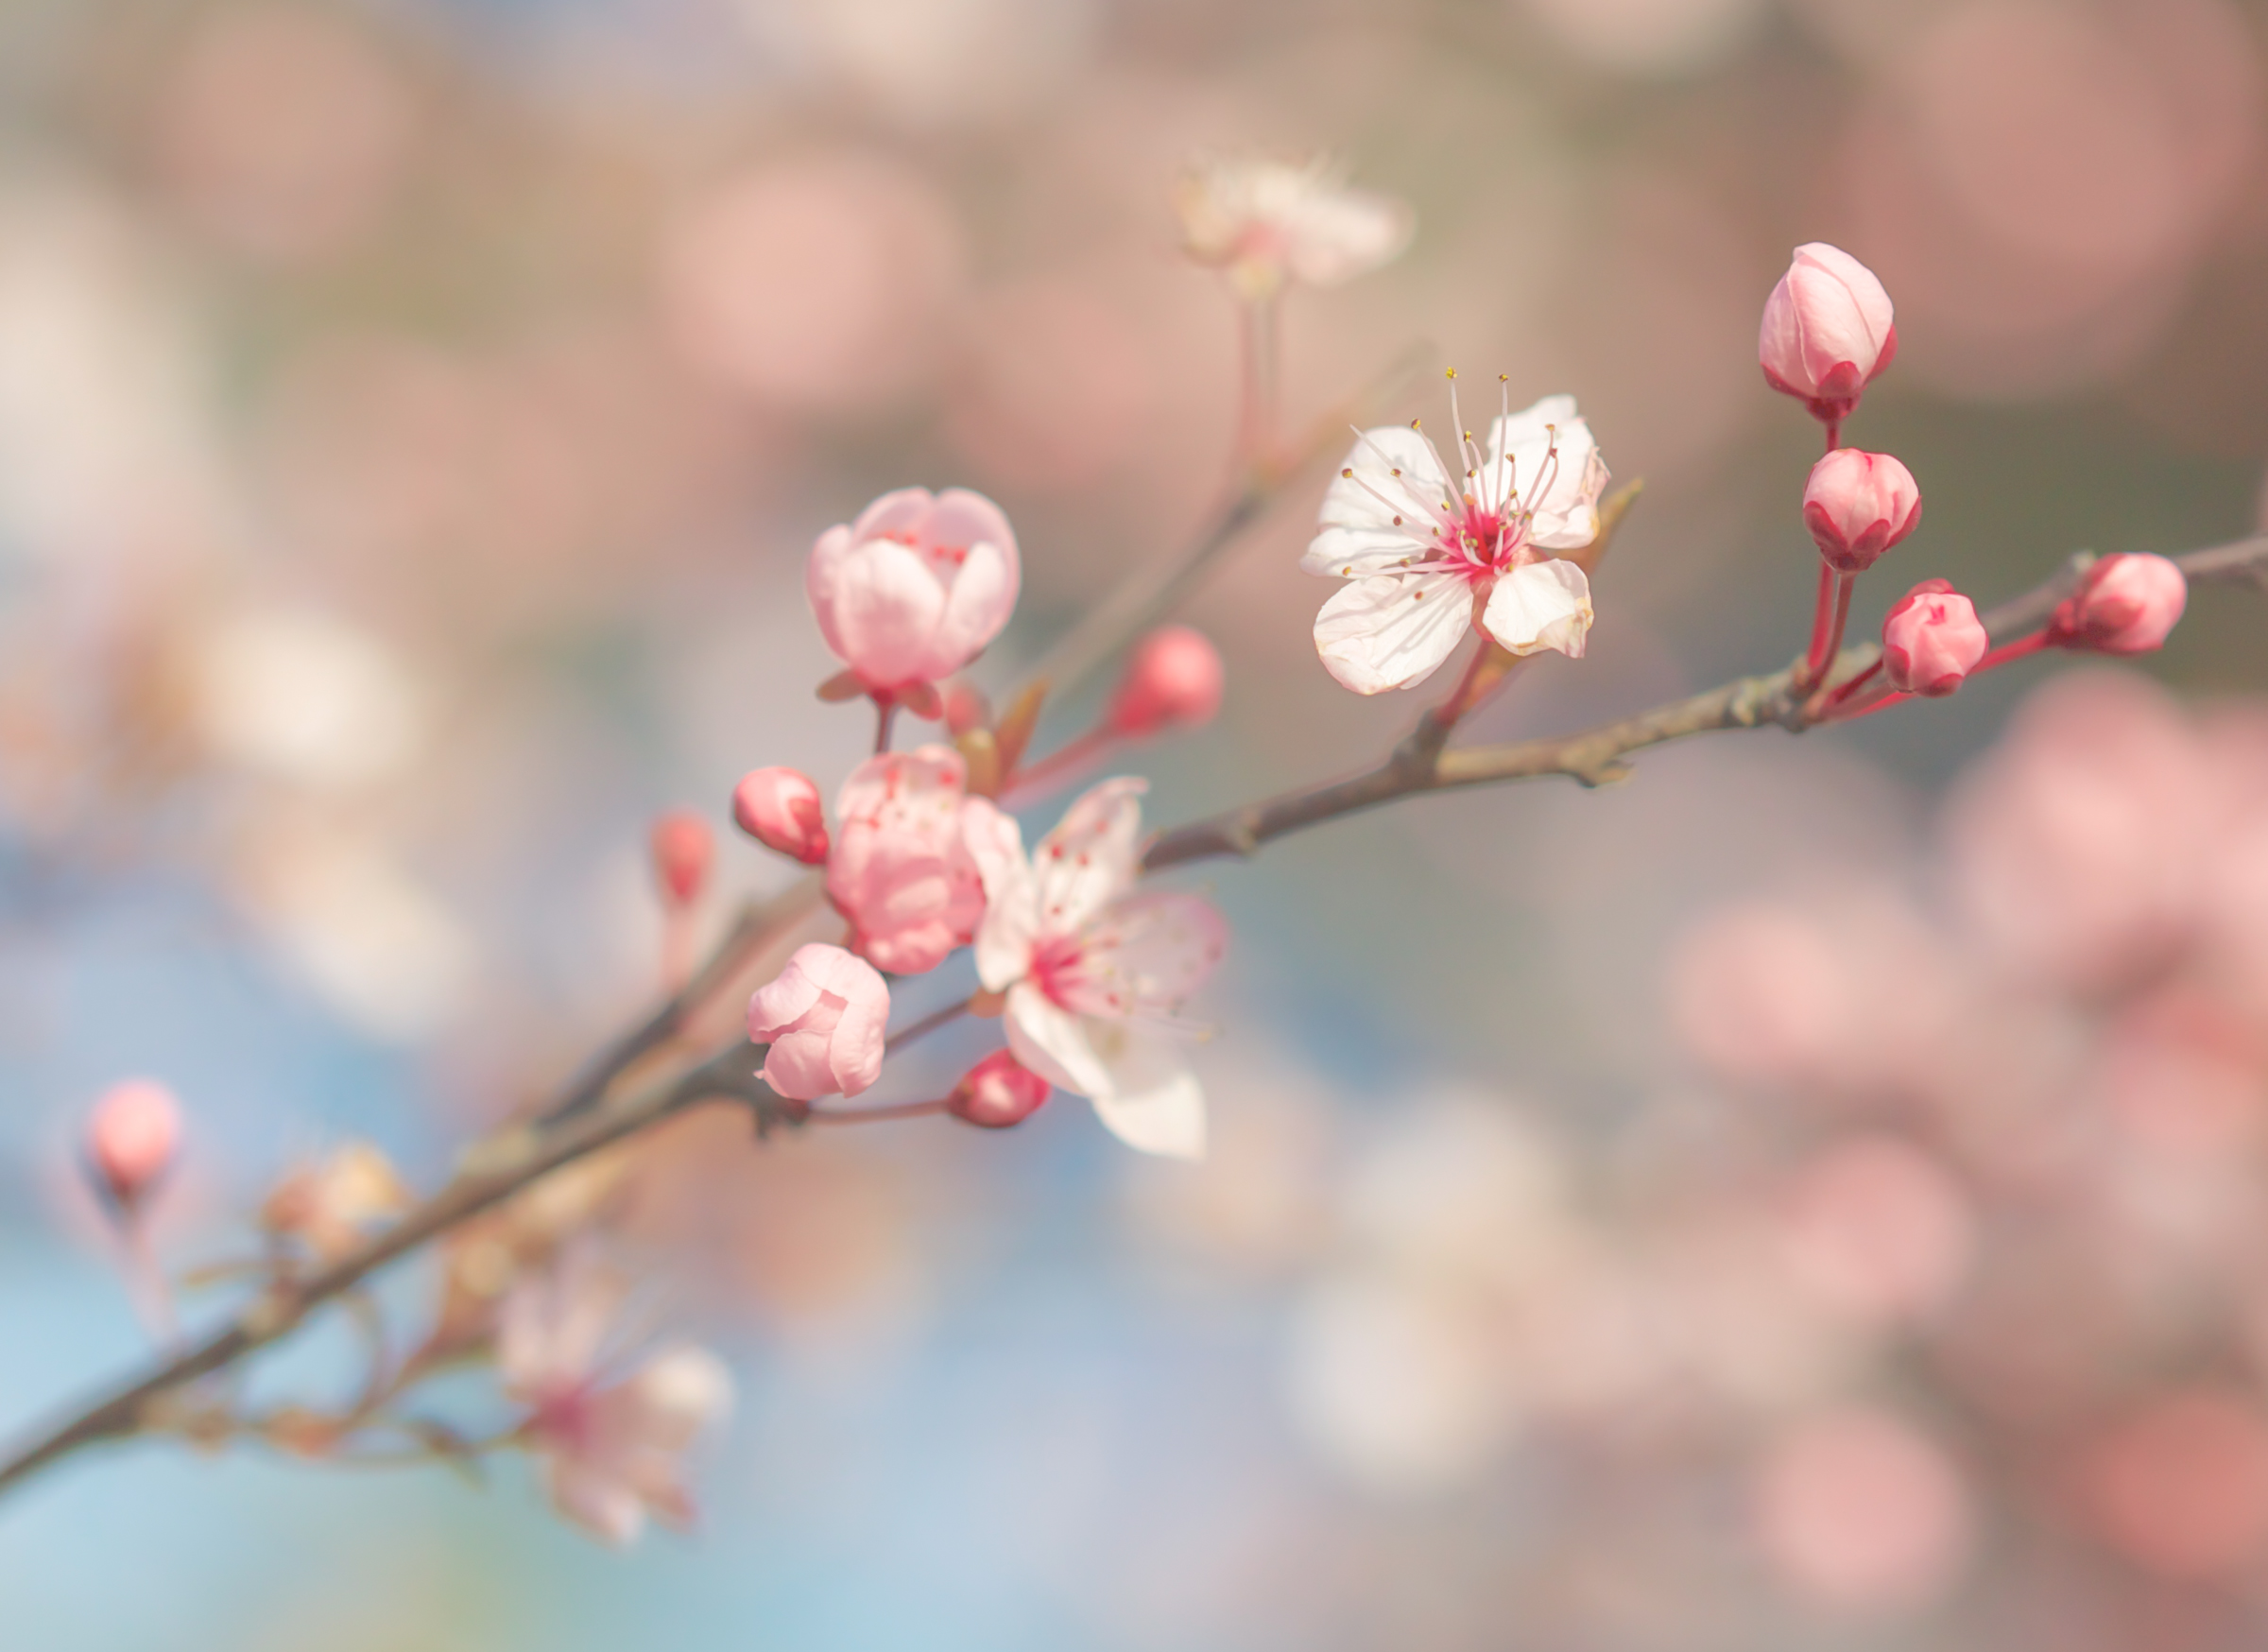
(888,606)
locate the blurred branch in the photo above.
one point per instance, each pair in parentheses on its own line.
(1595,757)
(1157,591)
(493,1172)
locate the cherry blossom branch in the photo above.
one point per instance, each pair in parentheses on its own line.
(493,1172)
(1422,762)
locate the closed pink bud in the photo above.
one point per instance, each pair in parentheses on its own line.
(1931,640)
(131,1138)
(1858,505)
(1826,330)
(685,849)
(779,809)
(914,588)
(997,1092)
(1172,681)
(824,1019)
(2125,604)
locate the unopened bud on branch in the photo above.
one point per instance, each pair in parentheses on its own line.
(1172,681)
(997,1092)
(1858,505)
(1931,640)
(2125,604)
(685,850)
(132,1139)
(1826,331)
(780,808)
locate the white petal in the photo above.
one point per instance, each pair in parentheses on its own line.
(1144,956)
(1335,235)
(1091,857)
(1392,632)
(1052,1042)
(1565,511)
(1153,1102)
(1012,921)
(1357,526)
(1539,606)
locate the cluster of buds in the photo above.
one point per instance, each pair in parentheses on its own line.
(1829,331)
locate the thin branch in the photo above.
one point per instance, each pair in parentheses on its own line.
(1596,756)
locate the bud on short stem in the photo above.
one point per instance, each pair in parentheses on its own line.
(781,809)
(133,1136)
(997,1092)
(1857,505)
(2125,604)
(685,851)
(1931,640)
(1173,681)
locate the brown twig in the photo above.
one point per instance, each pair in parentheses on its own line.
(1596,756)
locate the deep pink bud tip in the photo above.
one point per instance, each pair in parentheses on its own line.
(131,1138)
(1858,505)
(2125,604)
(685,849)
(780,808)
(997,1092)
(1931,640)
(1172,681)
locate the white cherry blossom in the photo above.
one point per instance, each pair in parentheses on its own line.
(1094,972)
(1427,552)
(1268,223)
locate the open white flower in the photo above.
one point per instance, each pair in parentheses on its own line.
(611,1443)
(1428,552)
(1095,973)
(1268,223)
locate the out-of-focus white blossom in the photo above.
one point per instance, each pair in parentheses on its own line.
(1269,223)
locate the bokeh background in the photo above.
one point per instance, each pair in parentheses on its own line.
(1768,1205)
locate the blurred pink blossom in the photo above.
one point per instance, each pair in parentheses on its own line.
(132,1135)
(1270,223)
(916,587)
(824,1017)
(1860,1512)
(2180,1486)
(901,869)
(2125,604)
(1877,1229)
(1171,680)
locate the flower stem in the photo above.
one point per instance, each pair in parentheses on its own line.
(927,1025)
(2021,648)
(873,1115)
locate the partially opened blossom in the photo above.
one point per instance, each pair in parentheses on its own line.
(1858,505)
(613,1439)
(1827,330)
(916,588)
(133,1136)
(997,1092)
(331,1205)
(1428,551)
(1095,973)
(2125,604)
(824,1018)
(780,808)
(900,870)
(1931,640)
(1269,223)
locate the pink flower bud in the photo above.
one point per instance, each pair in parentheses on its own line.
(914,588)
(2125,604)
(824,1019)
(1858,505)
(684,848)
(1172,681)
(967,708)
(997,1092)
(1931,640)
(779,809)
(1826,330)
(131,1138)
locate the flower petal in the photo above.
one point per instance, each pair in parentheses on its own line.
(1357,526)
(1092,855)
(1391,632)
(1153,1102)
(1560,489)
(1052,1042)
(1334,234)
(981,597)
(1012,921)
(1541,605)
(887,605)
(1143,957)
